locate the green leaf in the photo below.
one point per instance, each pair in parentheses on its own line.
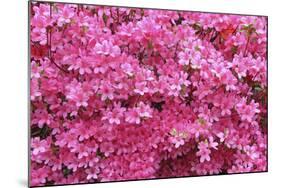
(183,89)
(196,27)
(104,17)
(173,132)
(150,45)
(202,121)
(66,171)
(249,29)
(234,49)
(100,154)
(197,48)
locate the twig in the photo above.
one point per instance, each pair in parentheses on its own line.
(49,39)
(247,44)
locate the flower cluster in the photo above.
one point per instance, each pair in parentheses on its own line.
(129,93)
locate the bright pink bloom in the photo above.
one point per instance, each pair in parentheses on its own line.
(115,116)
(107,48)
(204,152)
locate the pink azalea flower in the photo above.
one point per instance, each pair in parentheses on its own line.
(39,146)
(177,141)
(92,173)
(67,13)
(77,94)
(132,116)
(39,176)
(82,150)
(128,69)
(106,91)
(115,116)
(107,48)
(42,118)
(212,144)
(82,66)
(126,30)
(184,58)
(42,9)
(204,152)
(144,110)
(252,152)
(34,90)
(247,112)
(141,88)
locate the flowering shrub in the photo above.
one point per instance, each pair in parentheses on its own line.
(129,93)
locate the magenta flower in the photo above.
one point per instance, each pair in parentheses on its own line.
(212,144)
(39,146)
(204,152)
(115,116)
(77,94)
(144,111)
(106,92)
(133,116)
(81,64)
(141,88)
(66,14)
(39,176)
(184,58)
(107,48)
(247,112)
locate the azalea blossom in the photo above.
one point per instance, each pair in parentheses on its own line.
(204,152)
